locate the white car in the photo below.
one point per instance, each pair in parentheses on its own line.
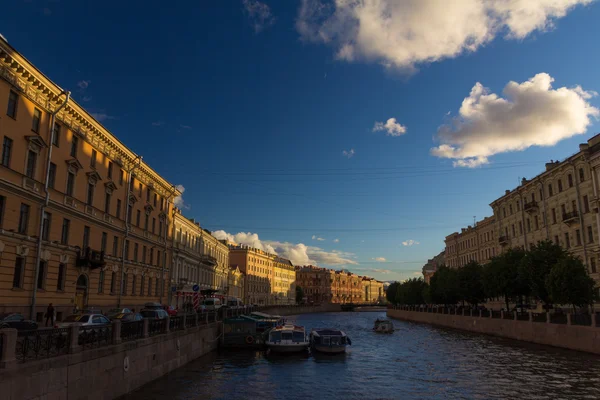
(83,320)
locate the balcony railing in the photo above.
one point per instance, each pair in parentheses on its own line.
(570,217)
(90,258)
(530,207)
(208,260)
(503,240)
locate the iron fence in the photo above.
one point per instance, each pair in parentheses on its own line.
(190,321)
(95,336)
(132,330)
(176,323)
(156,326)
(43,343)
(496,314)
(539,317)
(558,318)
(523,316)
(581,319)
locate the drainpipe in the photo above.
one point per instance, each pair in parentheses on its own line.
(38,256)
(544,211)
(523,218)
(162,271)
(127,225)
(581,225)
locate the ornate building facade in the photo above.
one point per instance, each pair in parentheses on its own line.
(235,283)
(84,221)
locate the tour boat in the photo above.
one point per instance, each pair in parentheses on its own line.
(287,338)
(331,341)
(383,326)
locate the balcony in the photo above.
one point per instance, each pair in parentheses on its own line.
(570,217)
(530,207)
(208,260)
(503,240)
(91,259)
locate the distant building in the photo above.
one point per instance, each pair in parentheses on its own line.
(432,265)
(473,243)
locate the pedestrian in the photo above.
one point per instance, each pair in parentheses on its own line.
(50,315)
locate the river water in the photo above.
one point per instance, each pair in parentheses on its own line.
(415,362)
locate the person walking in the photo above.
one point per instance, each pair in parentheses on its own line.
(50,315)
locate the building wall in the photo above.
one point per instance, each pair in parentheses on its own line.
(284,281)
(99,164)
(257,265)
(316,283)
(235,283)
(474,243)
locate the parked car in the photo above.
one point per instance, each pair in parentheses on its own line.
(170,310)
(154,313)
(115,311)
(17,321)
(127,317)
(83,320)
(212,303)
(234,303)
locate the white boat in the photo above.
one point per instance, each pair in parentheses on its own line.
(287,338)
(383,326)
(331,341)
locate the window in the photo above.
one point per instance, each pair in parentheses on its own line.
(46,221)
(586,204)
(121,177)
(86,237)
(110,168)
(528,225)
(554,215)
(157,289)
(570,179)
(520,228)
(64,235)
(13,100)
(35,123)
(567,240)
(140,189)
(518,205)
(574,206)
(70,184)
(151,255)
(578,237)
(133,285)
(118,213)
(503,212)
(51,175)
(153,225)
(550,190)
(129,213)
(115,247)
(590,234)
(93,159)
(563,209)
(6,151)
(560,186)
(149,286)
(18,273)
(142,286)
(103,243)
(124,289)
(41,279)
(31,164)
(90,194)
(155,199)
(162,201)
(56,136)
(60,283)
(144,254)
(138,215)
(510,209)
(101,282)
(148,194)
(113,278)
(536,222)
(2,206)
(24,218)
(146,219)
(581,175)
(593,265)
(131,183)
(158,258)
(135,251)
(107,198)
(74,145)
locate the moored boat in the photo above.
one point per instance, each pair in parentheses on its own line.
(383,326)
(287,338)
(331,341)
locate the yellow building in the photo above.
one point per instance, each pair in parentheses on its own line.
(473,243)
(97,236)
(284,281)
(316,283)
(235,283)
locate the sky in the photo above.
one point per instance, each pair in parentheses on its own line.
(348,134)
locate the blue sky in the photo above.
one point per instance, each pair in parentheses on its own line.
(250,105)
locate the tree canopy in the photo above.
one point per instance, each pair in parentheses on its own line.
(569,283)
(537,265)
(444,286)
(470,281)
(502,276)
(299,295)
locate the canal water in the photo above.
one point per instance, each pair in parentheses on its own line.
(415,362)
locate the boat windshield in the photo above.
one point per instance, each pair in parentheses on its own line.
(335,340)
(275,336)
(286,335)
(298,337)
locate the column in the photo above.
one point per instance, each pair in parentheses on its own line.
(8,336)
(116,332)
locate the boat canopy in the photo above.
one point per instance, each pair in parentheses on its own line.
(327,332)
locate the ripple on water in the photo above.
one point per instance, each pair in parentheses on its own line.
(416,362)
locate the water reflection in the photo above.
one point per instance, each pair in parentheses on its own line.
(417,361)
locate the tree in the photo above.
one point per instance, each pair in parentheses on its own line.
(536,266)
(444,286)
(502,277)
(391,292)
(411,292)
(569,283)
(299,295)
(470,281)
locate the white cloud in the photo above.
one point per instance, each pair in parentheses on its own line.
(379,259)
(157,123)
(349,153)
(102,116)
(531,113)
(336,240)
(405,33)
(315,237)
(410,243)
(391,126)
(375,270)
(83,84)
(259,14)
(178,201)
(87,98)
(245,238)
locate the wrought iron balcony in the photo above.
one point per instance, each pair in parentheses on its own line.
(530,207)
(503,240)
(570,217)
(91,259)
(208,260)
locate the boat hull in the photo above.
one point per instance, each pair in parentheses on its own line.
(329,349)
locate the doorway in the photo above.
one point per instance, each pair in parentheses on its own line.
(81,292)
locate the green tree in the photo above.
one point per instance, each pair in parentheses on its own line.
(536,266)
(502,277)
(569,283)
(470,281)
(391,292)
(299,295)
(411,292)
(444,286)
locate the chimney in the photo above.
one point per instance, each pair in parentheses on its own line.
(506,191)
(550,165)
(523,181)
(583,146)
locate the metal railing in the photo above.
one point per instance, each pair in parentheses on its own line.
(190,321)
(43,343)
(558,318)
(95,336)
(132,330)
(176,323)
(156,326)
(581,319)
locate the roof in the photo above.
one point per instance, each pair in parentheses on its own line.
(328,332)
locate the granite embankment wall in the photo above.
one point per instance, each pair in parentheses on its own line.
(294,310)
(568,336)
(106,372)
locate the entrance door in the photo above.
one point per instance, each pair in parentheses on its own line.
(81,292)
